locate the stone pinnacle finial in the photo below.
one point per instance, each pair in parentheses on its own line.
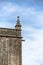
(18,25)
(18,17)
(18,20)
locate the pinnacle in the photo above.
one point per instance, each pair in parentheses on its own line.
(18,21)
(18,17)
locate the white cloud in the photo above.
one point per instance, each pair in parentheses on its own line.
(33,17)
(33,49)
(7,9)
(6,24)
(28,14)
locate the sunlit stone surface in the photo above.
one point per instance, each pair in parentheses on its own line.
(10,45)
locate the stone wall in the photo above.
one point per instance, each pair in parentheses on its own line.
(10,47)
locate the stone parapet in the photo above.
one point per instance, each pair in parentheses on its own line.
(5,32)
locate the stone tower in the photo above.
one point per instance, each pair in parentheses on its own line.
(11,45)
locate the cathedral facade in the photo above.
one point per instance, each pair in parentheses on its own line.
(11,45)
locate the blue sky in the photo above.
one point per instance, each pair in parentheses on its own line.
(31,16)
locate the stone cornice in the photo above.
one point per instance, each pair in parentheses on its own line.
(7,32)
